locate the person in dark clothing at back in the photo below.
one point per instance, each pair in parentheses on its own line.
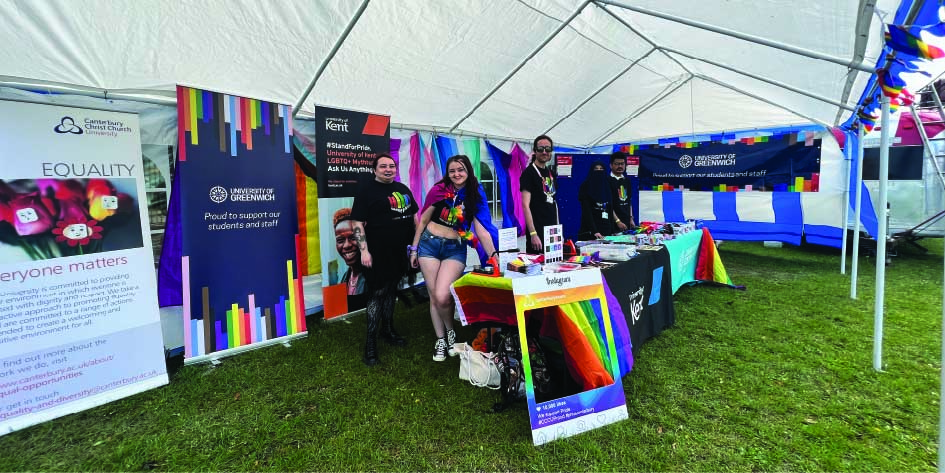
(538,185)
(594,196)
(620,192)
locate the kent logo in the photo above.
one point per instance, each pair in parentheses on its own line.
(553,281)
(336,124)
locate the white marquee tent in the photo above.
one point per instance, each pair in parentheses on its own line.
(586,72)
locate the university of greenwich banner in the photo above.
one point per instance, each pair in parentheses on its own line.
(238,222)
(79,322)
(345,145)
(573,312)
(787,162)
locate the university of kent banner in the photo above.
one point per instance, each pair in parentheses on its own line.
(778,163)
(236,177)
(345,145)
(79,323)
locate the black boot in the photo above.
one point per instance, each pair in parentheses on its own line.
(389,334)
(370,344)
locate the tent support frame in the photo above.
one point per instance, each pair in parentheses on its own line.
(756,97)
(743,36)
(859,49)
(764,79)
(599,90)
(880,296)
(330,56)
(564,24)
(857,209)
(639,111)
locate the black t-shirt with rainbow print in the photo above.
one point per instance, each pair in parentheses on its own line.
(388,212)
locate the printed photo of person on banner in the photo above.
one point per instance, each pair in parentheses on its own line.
(347,247)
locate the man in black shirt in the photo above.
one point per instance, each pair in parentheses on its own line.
(620,191)
(538,185)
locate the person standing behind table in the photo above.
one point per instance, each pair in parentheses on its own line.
(538,185)
(455,213)
(383,214)
(594,196)
(620,192)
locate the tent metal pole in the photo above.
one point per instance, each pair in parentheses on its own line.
(330,56)
(461,133)
(138,95)
(941,406)
(641,35)
(865,14)
(599,90)
(757,97)
(639,111)
(563,25)
(847,156)
(764,79)
(857,207)
(881,239)
(743,36)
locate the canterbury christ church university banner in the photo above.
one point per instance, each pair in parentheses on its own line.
(346,143)
(79,322)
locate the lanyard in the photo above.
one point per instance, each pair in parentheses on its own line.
(549,190)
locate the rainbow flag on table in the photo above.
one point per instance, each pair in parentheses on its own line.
(489,299)
(709,267)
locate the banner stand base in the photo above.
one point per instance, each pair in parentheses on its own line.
(216,356)
(344,317)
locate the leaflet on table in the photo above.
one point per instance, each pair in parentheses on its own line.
(508,239)
(554,243)
(79,323)
(577,301)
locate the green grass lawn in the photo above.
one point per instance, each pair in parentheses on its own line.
(777,377)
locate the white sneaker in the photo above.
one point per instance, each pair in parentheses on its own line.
(439,350)
(451,341)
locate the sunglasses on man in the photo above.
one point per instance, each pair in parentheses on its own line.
(543,149)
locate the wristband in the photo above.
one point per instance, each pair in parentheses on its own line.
(532,233)
(411,248)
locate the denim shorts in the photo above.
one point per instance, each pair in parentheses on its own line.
(432,246)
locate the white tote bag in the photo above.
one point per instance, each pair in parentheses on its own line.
(477,367)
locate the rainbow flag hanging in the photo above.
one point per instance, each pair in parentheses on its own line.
(908,40)
(306,196)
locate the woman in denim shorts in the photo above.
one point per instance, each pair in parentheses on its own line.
(447,224)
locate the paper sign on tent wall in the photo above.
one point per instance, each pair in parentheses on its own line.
(576,303)
(79,323)
(242,284)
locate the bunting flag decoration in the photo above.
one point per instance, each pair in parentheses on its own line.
(909,40)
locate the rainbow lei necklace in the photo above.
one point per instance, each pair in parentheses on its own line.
(456,215)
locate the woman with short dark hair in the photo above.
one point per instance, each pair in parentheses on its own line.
(383,214)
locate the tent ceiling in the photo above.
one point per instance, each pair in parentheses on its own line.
(429,63)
